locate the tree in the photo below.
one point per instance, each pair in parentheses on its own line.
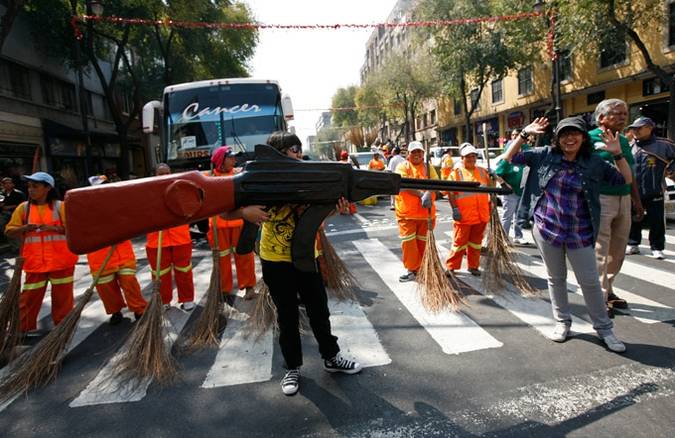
(189,54)
(584,25)
(374,95)
(7,19)
(470,55)
(125,58)
(411,79)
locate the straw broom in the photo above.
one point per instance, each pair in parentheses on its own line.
(210,323)
(340,282)
(436,291)
(145,354)
(264,314)
(499,260)
(10,316)
(38,366)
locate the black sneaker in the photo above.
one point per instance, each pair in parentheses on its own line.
(339,364)
(408,276)
(291,381)
(116,318)
(475,272)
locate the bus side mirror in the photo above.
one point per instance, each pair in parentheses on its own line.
(287,107)
(149,115)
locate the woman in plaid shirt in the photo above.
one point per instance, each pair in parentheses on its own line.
(562,195)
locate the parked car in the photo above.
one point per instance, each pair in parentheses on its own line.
(669,199)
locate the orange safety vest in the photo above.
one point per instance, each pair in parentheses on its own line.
(474,207)
(123,253)
(46,251)
(376,165)
(409,206)
(222,223)
(175,236)
(446,166)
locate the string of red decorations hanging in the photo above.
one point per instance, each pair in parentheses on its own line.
(355,108)
(118,20)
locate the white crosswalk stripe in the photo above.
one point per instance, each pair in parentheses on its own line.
(453,331)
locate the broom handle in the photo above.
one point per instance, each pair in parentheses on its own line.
(158,271)
(487,155)
(102,268)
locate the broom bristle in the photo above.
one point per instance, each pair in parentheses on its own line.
(340,282)
(210,323)
(145,355)
(264,314)
(499,261)
(38,366)
(10,316)
(436,290)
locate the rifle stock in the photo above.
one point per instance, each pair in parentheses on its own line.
(137,207)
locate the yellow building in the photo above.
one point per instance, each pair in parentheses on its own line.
(524,95)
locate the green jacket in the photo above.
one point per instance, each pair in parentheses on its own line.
(512,173)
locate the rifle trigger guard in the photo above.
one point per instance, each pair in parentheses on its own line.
(184,198)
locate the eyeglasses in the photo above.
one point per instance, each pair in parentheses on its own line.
(295,149)
(618,113)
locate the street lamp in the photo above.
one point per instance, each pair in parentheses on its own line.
(539,7)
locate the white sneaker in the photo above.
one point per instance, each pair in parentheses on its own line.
(291,381)
(632,249)
(560,332)
(520,241)
(658,255)
(613,343)
(187,306)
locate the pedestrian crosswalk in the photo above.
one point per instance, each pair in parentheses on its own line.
(245,360)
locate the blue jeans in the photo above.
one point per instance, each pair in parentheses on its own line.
(510,205)
(585,269)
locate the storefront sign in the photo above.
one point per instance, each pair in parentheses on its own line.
(515,120)
(491,127)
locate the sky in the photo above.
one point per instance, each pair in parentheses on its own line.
(310,64)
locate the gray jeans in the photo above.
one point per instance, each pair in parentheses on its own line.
(585,269)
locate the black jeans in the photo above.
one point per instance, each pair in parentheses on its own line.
(657,225)
(285,283)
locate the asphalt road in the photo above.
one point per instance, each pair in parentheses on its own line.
(489,371)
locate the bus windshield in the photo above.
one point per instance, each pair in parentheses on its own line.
(199,120)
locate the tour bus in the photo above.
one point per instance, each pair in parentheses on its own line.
(198,117)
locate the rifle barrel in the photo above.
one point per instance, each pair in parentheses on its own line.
(450,186)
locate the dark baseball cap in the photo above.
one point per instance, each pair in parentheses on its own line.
(642,121)
(571,122)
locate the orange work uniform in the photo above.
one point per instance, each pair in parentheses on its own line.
(446,166)
(46,259)
(177,257)
(475,211)
(118,275)
(352,205)
(412,217)
(376,165)
(228,236)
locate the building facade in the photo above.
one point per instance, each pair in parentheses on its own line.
(41,125)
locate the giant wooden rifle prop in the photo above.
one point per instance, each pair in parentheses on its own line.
(103,215)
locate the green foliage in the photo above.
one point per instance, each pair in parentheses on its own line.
(345,98)
(583,25)
(479,52)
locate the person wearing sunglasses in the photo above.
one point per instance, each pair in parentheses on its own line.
(288,286)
